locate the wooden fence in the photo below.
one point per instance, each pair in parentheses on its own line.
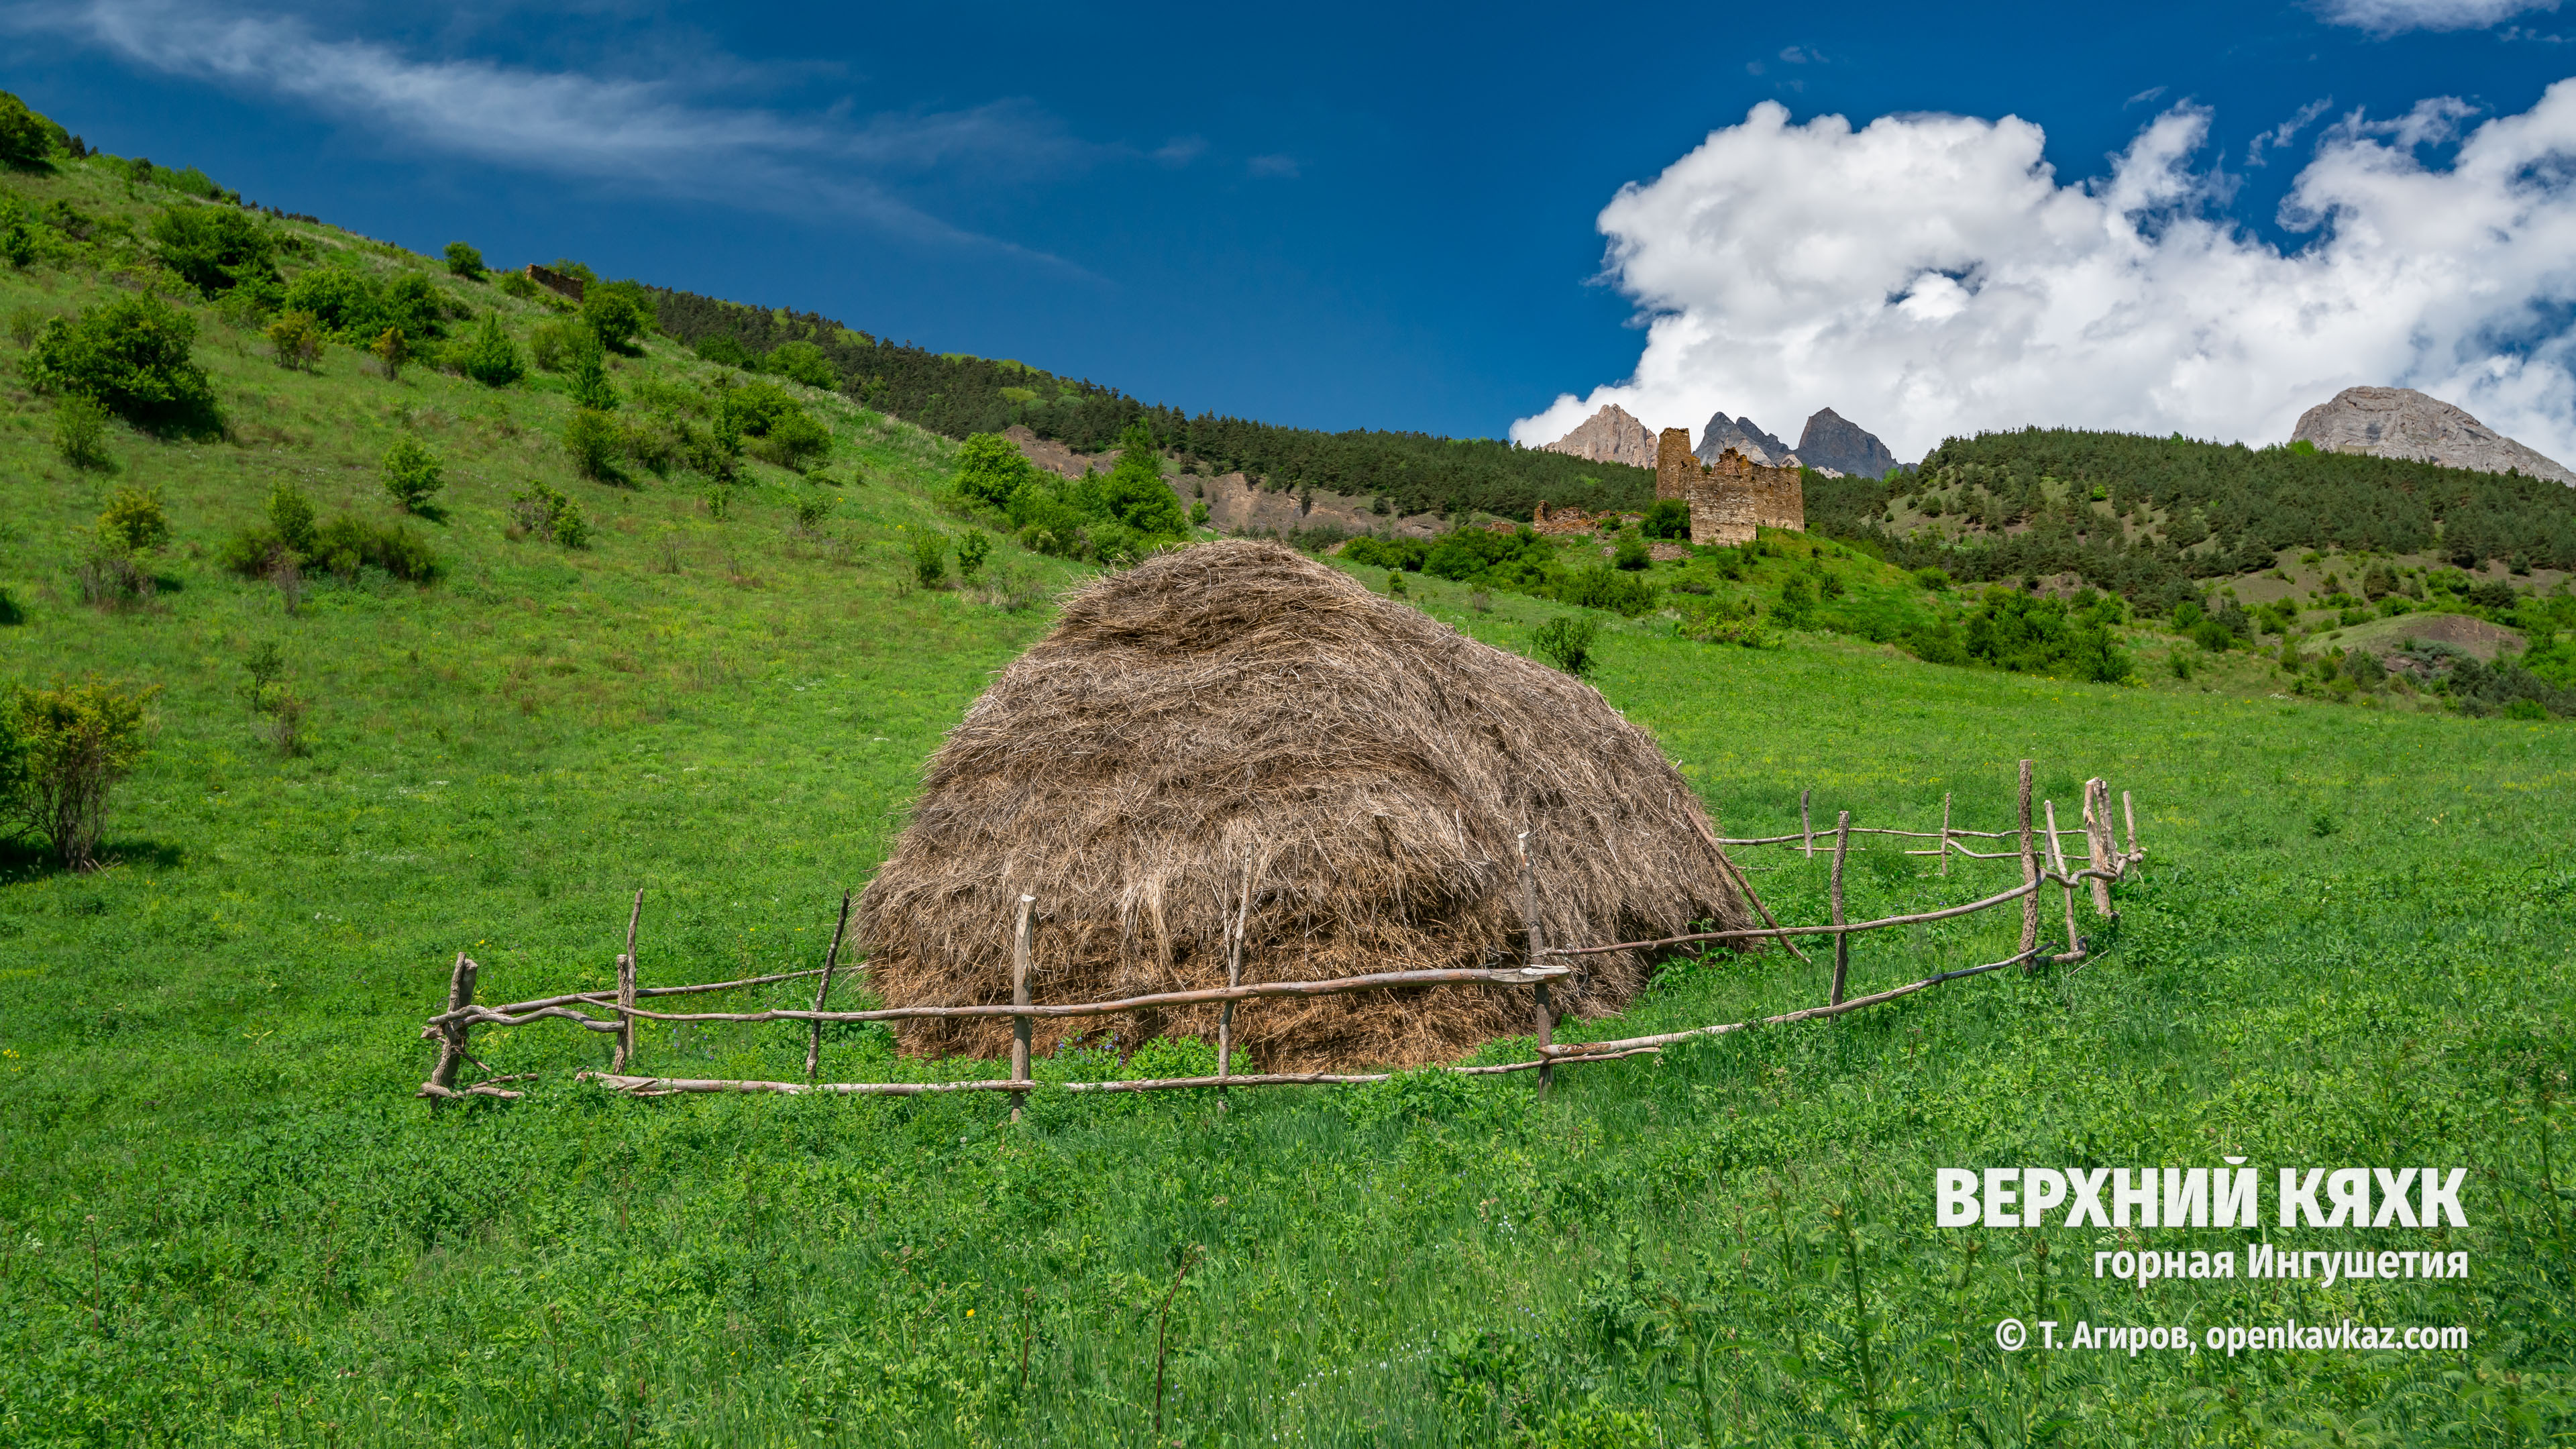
(2039,848)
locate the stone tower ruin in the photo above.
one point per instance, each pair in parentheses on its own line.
(1731,497)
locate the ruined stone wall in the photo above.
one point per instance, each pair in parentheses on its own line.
(1730,498)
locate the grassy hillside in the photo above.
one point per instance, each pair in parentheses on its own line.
(224,1219)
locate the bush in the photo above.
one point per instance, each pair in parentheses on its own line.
(550,515)
(62,752)
(464,261)
(806,363)
(133,522)
(1632,555)
(131,355)
(26,138)
(491,358)
(1667,518)
(725,350)
(1933,579)
(518,284)
(295,338)
(591,388)
(813,505)
(2027,633)
(354,306)
(80,432)
(972,550)
(616,312)
(413,473)
(1566,642)
(215,248)
(990,468)
(593,440)
(795,441)
(929,558)
(1407,554)
(1604,588)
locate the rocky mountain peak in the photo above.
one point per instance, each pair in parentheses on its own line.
(2399,422)
(1834,442)
(1610,436)
(1746,437)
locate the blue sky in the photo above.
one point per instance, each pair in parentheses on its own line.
(1375,216)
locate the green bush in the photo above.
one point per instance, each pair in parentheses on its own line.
(2034,634)
(616,312)
(133,522)
(215,248)
(548,514)
(593,441)
(26,138)
(725,350)
(518,284)
(80,432)
(295,338)
(133,356)
(1667,518)
(1633,555)
(554,340)
(929,558)
(806,363)
(1407,554)
(464,261)
(796,441)
(412,472)
(990,468)
(491,358)
(972,550)
(62,752)
(288,534)
(591,388)
(1566,641)
(1606,588)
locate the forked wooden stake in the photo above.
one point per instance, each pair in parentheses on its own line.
(626,988)
(1020,997)
(1546,1014)
(2029,874)
(1945,832)
(2097,842)
(814,1041)
(1842,941)
(1806,825)
(2057,862)
(452,1035)
(2130,811)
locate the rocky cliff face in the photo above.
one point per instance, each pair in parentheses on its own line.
(2399,422)
(1835,443)
(1610,436)
(1746,437)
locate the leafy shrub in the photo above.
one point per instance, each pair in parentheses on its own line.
(133,522)
(972,550)
(114,582)
(287,541)
(518,284)
(929,558)
(553,340)
(1632,555)
(295,338)
(725,350)
(795,441)
(132,355)
(1606,588)
(616,312)
(813,505)
(1513,559)
(753,408)
(354,306)
(491,358)
(1933,579)
(1667,518)
(26,137)
(80,432)
(62,752)
(465,261)
(215,248)
(1566,642)
(549,515)
(18,245)
(412,472)
(391,352)
(591,388)
(1368,551)
(593,441)
(2032,634)
(990,468)
(806,363)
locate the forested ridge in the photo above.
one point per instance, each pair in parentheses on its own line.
(2146,516)
(958,395)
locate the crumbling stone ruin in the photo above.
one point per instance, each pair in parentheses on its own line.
(1730,498)
(1559,521)
(555,282)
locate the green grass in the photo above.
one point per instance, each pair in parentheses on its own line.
(224,1219)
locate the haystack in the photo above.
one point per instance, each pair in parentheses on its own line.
(1236,706)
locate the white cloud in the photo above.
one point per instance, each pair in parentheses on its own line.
(2280,135)
(1927,276)
(1281,167)
(2392,17)
(656,134)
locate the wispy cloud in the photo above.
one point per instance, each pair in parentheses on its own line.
(2395,17)
(659,133)
(1283,167)
(2280,135)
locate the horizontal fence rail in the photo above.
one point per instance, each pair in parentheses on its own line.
(2041,850)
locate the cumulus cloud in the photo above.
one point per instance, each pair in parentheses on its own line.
(648,132)
(2392,17)
(1928,275)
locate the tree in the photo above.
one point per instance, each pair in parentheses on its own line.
(132,355)
(990,468)
(133,522)
(590,386)
(465,261)
(413,473)
(617,312)
(214,248)
(26,138)
(592,439)
(391,352)
(68,748)
(806,363)
(1135,494)
(492,359)
(295,337)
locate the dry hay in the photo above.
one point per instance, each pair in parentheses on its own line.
(1237,703)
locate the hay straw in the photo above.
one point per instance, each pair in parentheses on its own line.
(1237,700)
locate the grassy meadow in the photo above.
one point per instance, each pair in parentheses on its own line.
(224,1218)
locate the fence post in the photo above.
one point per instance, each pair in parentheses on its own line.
(2057,861)
(452,1035)
(1806,825)
(814,1039)
(1020,997)
(2129,810)
(1233,978)
(1842,939)
(1945,832)
(2029,874)
(1544,1009)
(2098,843)
(626,988)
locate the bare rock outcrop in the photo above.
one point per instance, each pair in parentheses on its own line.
(1835,444)
(1746,437)
(2399,422)
(1609,436)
